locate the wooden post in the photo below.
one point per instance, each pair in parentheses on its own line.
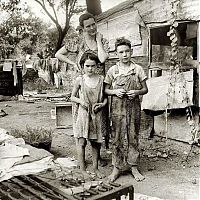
(94,7)
(198,59)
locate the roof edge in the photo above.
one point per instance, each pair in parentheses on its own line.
(120,7)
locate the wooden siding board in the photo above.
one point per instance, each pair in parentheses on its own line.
(177,127)
(155,11)
(138,35)
(189,10)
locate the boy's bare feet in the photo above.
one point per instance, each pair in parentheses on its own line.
(102,162)
(115,174)
(136,174)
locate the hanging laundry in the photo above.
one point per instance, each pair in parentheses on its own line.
(7,66)
(15,73)
(36,63)
(54,63)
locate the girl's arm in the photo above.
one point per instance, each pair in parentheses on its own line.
(98,106)
(74,97)
(75,90)
(105,101)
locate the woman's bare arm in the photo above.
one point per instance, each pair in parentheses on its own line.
(61,54)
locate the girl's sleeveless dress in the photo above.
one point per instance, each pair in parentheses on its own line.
(88,124)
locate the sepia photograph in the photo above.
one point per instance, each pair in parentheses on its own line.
(99,99)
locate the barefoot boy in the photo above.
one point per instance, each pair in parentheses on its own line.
(125,81)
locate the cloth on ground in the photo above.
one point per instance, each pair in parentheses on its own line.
(29,168)
(35,154)
(9,155)
(18,158)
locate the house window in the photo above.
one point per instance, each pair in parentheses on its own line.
(161,47)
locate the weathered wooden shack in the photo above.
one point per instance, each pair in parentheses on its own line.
(147,23)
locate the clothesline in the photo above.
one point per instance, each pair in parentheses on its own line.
(47,64)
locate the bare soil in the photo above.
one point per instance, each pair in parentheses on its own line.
(171,169)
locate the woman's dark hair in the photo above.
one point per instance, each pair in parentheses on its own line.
(88,55)
(122,41)
(85,16)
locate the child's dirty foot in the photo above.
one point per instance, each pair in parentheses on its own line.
(115,174)
(102,162)
(99,174)
(138,177)
(86,175)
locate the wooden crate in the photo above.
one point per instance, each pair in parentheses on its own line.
(122,192)
(63,115)
(32,187)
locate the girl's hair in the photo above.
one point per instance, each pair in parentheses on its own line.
(88,55)
(85,16)
(122,41)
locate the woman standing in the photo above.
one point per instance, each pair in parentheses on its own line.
(89,40)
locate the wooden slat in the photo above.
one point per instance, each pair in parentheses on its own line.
(153,11)
(178,127)
(63,115)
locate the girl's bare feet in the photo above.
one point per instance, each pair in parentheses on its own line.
(85,175)
(102,162)
(115,174)
(136,174)
(99,174)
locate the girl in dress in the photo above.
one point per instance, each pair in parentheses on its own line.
(88,95)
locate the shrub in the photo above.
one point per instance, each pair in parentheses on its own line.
(34,136)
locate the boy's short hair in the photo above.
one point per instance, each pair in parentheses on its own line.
(85,16)
(88,55)
(122,41)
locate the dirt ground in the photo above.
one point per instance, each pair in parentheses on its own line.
(170,173)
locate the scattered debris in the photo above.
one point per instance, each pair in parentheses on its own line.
(2,113)
(66,162)
(43,96)
(194,181)
(8,98)
(151,168)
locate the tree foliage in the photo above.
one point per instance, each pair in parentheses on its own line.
(28,33)
(52,8)
(20,30)
(10,6)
